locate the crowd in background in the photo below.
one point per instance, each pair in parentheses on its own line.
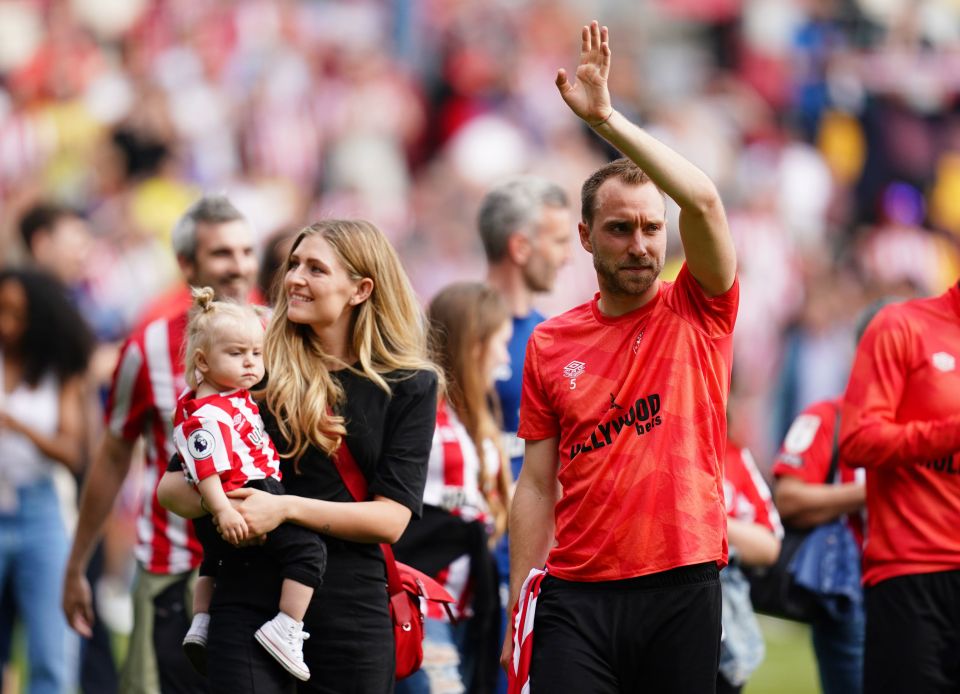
(831,127)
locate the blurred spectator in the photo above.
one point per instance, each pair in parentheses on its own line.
(467,494)
(899,420)
(753,532)
(58,241)
(45,348)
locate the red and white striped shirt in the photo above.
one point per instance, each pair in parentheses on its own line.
(142,399)
(222,434)
(746,494)
(453,484)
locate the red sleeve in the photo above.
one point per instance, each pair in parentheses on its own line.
(130,401)
(207,447)
(870,435)
(538,421)
(807,449)
(713,315)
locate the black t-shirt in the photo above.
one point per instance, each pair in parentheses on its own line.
(389,436)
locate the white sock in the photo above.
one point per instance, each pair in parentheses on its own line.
(201,620)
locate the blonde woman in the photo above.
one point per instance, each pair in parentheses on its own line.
(466,496)
(346,363)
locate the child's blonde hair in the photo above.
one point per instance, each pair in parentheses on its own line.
(206,319)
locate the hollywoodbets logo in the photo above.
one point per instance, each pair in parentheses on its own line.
(641,418)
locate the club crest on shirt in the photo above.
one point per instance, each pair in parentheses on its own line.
(201,444)
(944,362)
(572,371)
(801,434)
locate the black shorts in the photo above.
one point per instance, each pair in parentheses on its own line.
(300,553)
(656,633)
(913,634)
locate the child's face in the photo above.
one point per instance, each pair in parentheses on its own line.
(235,358)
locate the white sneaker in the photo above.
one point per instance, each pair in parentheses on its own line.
(283,638)
(195,642)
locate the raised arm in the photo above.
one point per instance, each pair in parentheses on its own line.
(703,224)
(531,520)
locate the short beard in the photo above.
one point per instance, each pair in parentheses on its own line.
(535,283)
(613,282)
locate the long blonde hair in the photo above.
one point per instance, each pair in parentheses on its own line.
(463,317)
(388,334)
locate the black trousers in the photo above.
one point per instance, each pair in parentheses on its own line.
(657,633)
(350,649)
(913,635)
(300,553)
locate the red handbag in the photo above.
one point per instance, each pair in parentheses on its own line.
(406,586)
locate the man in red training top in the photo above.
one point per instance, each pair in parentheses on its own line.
(623,408)
(901,421)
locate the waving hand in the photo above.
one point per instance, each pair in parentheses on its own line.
(589,96)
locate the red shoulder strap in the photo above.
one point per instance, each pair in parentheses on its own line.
(356,484)
(350,472)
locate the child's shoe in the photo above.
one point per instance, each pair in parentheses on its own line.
(195,642)
(283,638)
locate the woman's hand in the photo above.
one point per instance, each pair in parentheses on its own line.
(589,96)
(262,511)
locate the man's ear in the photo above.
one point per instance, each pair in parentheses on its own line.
(584,232)
(362,291)
(519,248)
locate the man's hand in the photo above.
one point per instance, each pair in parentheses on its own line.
(231,525)
(589,96)
(506,653)
(78,602)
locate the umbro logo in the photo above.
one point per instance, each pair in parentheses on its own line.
(572,371)
(944,362)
